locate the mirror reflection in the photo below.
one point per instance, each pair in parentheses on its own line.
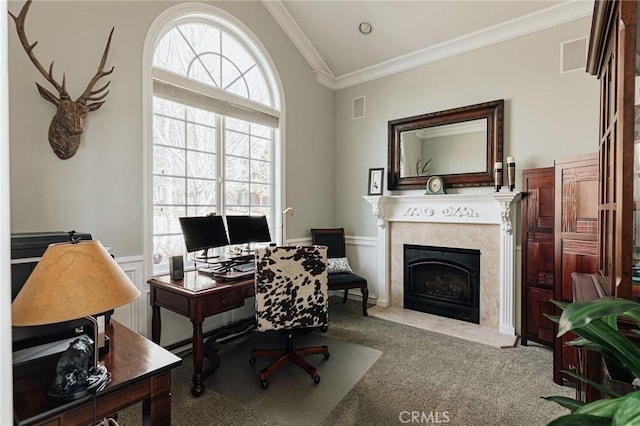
(445,149)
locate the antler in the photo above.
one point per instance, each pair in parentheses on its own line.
(19,20)
(91,95)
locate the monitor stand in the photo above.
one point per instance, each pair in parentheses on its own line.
(205,255)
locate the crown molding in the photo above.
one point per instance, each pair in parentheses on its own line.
(523,25)
(299,39)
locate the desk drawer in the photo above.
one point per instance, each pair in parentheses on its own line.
(224,301)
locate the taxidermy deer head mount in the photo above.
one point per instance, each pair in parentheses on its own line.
(67,125)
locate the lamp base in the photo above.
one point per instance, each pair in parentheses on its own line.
(98,377)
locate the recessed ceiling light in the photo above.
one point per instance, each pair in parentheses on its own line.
(365,28)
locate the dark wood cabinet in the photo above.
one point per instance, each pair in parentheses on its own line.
(576,241)
(538,281)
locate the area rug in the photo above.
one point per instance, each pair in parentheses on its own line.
(292,397)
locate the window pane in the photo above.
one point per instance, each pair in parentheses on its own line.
(168,131)
(202,138)
(262,131)
(238,87)
(201,116)
(168,190)
(168,108)
(237,194)
(165,246)
(231,210)
(201,210)
(206,69)
(201,164)
(237,125)
(231,74)
(201,192)
(236,53)
(257,86)
(237,168)
(261,195)
(165,219)
(168,161)
(260,149)
(260,172)
(237,144)
(173,53)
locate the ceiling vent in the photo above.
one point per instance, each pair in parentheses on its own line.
(573,55)
(358,107)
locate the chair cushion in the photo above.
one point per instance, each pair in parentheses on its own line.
(338,264)
(338,281)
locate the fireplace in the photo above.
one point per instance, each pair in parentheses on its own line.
(442,281)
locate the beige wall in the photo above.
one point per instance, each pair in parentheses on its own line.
(100,189)
(548,115)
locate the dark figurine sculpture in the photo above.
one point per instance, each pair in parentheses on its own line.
(67,125)
(72,371)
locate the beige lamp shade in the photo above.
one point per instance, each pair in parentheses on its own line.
(72,280)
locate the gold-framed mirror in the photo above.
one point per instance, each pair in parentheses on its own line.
(461,145)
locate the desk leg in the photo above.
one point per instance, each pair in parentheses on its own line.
(156,410)
(156,324)
(198,355)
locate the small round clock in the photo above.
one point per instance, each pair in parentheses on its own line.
(435,185)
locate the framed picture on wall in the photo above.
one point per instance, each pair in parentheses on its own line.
(375,181)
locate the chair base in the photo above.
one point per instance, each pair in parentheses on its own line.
(286,356)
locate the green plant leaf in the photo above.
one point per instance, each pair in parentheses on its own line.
(554,318)
(629,412)
(578,314)
(580,420)
(566,402)
(602,407)
(595,385)
(618,346)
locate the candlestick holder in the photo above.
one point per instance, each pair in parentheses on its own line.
(511,173)
(497,174)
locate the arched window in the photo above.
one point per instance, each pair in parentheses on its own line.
(215,122)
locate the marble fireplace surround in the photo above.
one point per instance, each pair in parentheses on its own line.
(483,221)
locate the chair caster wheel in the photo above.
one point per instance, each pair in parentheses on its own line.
(264,384)
(327,355)
(252,361)
(316,379)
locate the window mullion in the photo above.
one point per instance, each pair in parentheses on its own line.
(221,170)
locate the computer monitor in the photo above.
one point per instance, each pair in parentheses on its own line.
(248,229)
(203,233)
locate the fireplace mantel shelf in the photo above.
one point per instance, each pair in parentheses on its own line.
(477,208)
(491,208)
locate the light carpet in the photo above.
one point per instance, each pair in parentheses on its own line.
(292,397)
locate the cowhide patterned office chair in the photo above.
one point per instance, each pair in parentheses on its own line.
(291,293)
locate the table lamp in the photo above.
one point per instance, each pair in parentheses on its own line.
(71,281)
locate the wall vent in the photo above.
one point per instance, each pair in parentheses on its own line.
(358,107)
(573,55)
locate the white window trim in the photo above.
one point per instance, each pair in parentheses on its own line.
(163,23)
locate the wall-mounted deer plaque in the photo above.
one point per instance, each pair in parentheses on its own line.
(67,124)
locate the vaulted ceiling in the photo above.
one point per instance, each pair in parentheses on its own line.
(406,34)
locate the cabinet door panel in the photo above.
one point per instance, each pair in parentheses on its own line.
(538,222)
(538,304)
(576,239)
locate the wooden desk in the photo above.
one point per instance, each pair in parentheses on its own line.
(140,371)
(196,297)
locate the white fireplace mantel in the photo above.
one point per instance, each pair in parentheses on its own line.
(474,208)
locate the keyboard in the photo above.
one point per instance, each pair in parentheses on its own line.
(245,267)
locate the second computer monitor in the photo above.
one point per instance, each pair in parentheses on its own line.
(248,229)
